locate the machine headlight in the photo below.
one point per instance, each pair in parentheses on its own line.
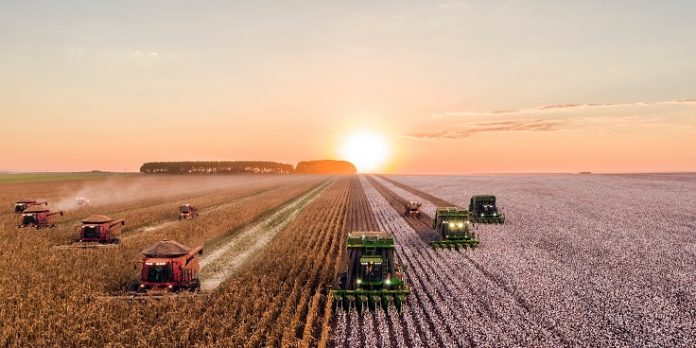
(142,285)
(482,214)
(358,281)
(388,282)
(461,224)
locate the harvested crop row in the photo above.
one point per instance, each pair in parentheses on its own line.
(49,296)
(584,252)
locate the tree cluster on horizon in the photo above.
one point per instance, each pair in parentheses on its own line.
(248,167)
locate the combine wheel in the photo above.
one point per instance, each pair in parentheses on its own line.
(195,286)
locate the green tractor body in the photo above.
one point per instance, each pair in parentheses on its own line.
(454,228)
(483,210)
(373,279)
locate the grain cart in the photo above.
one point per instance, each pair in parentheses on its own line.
(453,226)
(373,278)
(100,229)
(24,203)
(187,211)
(168,266)
(483,210)
(38,216)
(412,209)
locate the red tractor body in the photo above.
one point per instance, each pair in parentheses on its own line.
(100,229)
(38,216)
(21,205)
(187,211)
(168,266)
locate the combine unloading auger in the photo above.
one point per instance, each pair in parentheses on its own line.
(373,279)
(454,228)
(482,209)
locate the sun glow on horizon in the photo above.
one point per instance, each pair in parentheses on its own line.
(367,150)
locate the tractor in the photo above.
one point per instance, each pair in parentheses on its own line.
(483,210)
(454,228)
(187,211)
(100,229)
(373,278)
(167,267)
(22,204)
(38,216)
(412,209)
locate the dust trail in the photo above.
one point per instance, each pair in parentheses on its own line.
(118,190)
(219,265)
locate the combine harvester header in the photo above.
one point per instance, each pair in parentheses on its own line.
(373,279)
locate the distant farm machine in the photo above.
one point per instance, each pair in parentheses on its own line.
(39,216)
(187,211)
(482,209)
(412,209)
(82,202)
(21,205)
(98,231)
(453,228)
(373,278)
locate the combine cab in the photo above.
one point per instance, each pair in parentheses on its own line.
(187,211)
(168,266)
(412,209)
(373,278)
(38,216)
(21,205)
(483,210)
(454,229)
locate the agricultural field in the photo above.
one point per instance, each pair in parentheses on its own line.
(600,260)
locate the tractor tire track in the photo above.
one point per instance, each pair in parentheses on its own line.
(532,316)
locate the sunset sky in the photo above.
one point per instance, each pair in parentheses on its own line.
(451,86)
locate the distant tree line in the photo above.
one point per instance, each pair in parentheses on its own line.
(326,167)
(248,167)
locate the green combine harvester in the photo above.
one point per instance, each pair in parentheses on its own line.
(454,228)
(483,210)
(373,278)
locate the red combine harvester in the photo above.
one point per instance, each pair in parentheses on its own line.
(168,266)
(187,211)
(21,205)
(39,216)
(412,209)
(100,229)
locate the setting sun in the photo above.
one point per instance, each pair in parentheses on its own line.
(366,150)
